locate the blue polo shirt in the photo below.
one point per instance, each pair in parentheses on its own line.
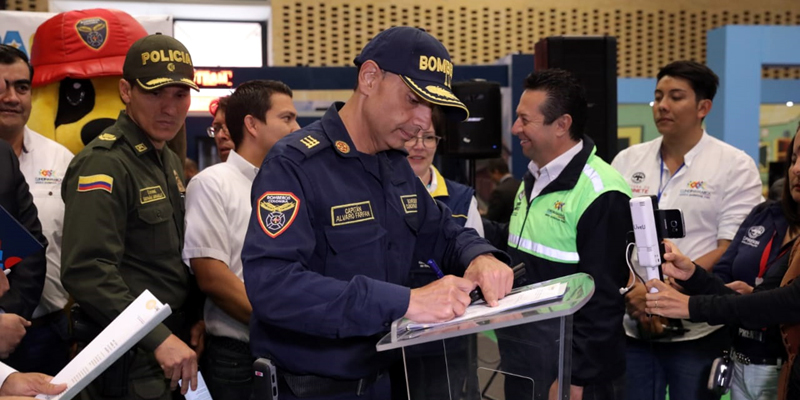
(332,240)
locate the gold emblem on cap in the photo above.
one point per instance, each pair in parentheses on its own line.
(141,147)
(343,147)
(107,136)
(171,67)
(441,92)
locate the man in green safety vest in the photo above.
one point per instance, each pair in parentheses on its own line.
(571,214)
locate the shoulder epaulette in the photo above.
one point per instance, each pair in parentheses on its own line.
(105,140)
(309,143)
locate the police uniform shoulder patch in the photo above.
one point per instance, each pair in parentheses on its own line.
(107,136)
(276,212)
(309,142)
(95,182)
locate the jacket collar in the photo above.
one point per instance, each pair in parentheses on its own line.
(568,178)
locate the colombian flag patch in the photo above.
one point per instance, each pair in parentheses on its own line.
(95,182)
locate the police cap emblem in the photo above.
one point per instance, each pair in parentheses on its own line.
(276,212)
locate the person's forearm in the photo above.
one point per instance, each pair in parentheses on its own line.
(223,287)
(708,260)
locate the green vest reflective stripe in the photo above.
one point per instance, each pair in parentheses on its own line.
(549,227)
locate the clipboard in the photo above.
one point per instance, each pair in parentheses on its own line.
(16,242)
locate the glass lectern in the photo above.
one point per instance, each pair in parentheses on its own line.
(521,353)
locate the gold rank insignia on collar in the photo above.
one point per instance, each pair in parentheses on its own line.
(178,180)
(309,141)
(343,147)
(107,136)
(141,147)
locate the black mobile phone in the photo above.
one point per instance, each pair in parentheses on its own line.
(671,224)
(265,381)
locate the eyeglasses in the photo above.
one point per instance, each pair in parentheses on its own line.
(428,142)
(212,131)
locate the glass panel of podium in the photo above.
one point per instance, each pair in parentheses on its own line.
(518,354)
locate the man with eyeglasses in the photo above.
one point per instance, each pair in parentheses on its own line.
(218,129)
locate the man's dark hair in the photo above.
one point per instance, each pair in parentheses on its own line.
(10,54)
(565,95)
(702,79)
(250,98)
(497,164)
(791,209)
(222,105)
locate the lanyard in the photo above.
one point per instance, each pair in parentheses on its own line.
(661,176)
(763,265)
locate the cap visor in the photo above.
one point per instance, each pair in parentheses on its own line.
(155,83)
(84,69)
(439,94)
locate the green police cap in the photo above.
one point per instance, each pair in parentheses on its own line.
(158,60)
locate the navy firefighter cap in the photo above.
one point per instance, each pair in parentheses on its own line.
(421,61)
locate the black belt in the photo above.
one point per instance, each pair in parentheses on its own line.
(743,359)
(47,319)
(227,343)
(316,386)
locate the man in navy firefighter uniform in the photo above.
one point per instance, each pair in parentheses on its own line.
(339,220)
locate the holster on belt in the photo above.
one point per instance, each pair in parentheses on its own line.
(114,379)
(790,333)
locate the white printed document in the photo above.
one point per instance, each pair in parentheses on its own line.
(136,321)
(512,301)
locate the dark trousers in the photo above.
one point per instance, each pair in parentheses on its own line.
(227,367)
(431,373)
(380,390)
(145,381)
(683,366)
(45,347)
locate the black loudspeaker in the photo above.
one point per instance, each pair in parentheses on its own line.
(480,135)
(593,61)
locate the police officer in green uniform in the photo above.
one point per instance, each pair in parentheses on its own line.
(123,228)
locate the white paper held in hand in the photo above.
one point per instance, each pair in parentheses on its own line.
(136,321)
(201,393)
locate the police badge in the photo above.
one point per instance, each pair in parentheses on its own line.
(93,32)
(276,212)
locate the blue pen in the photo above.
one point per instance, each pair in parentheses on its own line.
(435,268)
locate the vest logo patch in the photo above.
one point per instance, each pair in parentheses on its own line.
(555,212)
(277,211)
(752,234)
(151,194)
(351,213)
(409,203)
(637,177)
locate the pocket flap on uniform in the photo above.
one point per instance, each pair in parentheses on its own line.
(156,214)
(343,238)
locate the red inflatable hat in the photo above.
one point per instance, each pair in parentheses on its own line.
(83,44)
